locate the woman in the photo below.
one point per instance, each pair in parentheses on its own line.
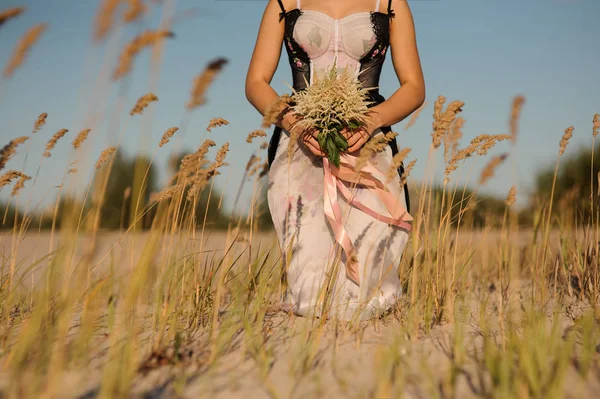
(356,33)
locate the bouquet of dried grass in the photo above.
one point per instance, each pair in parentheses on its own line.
(333,101)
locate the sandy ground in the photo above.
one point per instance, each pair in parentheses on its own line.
(342,363)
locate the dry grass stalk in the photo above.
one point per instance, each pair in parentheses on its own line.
(136,8)
(397,162)
(257,167)
(264,171)
(10,13)
(191,164)
(40,122)
(132,49)
(9,176)
(105,18)
(253,159)
(264,145)
(23,48)
(20,184)
(275,110)
(596,126)
(53,140)
(142,103)
(489,169)
(480,144)
(515,114)
(216,122)
(7,152)
(415,116)
(104,156)
(72,170)
(407,170)
(80,138)
(375,144)
(442,121)
(165,194)
(167,136)
(565,140)
(452,139)
(490,142)
(204,175)
(203,82)
(254,134)
(512,196)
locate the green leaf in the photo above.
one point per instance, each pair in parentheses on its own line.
(340,141)
(332,152)
(353,124)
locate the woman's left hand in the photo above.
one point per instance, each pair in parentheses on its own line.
(358,137)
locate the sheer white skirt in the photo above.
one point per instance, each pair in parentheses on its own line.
(315,266)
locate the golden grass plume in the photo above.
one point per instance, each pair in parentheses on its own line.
(9,176)
(515,115)
(40,122)
(53,140)
(105,18)
(135,10)
(142,103)
(10,149)
(565,140)
(23,47)
(10,13)
(203,82)
(133,48)
(443,120)
(489,169)
(167,136)
(104,156)
(20,184)
(254,134)
(216,122)
(80,138)
(512,196)
(415,116)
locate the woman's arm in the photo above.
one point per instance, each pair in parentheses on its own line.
(263,64)
(405,58)
(265,59)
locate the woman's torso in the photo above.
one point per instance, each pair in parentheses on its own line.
(359,41)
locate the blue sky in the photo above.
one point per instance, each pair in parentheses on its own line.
(481,52)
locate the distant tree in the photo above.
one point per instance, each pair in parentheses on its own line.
(117,207)
(206,203)
(575,181)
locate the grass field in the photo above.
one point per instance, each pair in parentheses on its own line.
(169,307)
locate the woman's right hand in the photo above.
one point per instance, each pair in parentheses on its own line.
(307,136)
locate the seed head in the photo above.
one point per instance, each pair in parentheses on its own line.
(23,48)
(40,122)
(104,156)
(565,140)
(512,196)
(10,14)
(133,48)
(203,82)
(254,134)
(80,138)
(142,103)
(216,122)
(53,140)
(7,152)
(167,136)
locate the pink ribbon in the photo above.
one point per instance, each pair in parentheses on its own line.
(371,178)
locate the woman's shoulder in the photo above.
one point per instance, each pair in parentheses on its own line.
(287,4)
